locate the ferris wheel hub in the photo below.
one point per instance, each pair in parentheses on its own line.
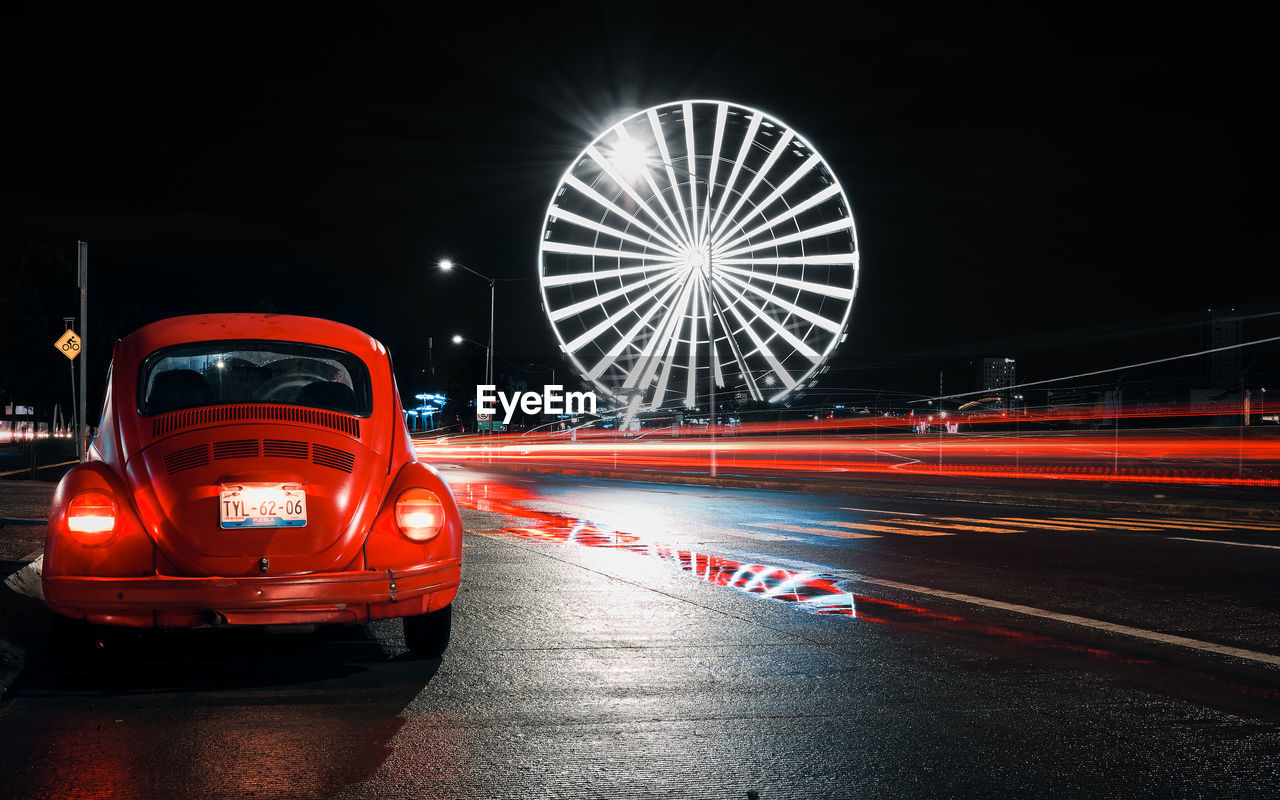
(698,261)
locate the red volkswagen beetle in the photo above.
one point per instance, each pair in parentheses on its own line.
(254,469)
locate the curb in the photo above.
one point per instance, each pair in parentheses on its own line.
(24,620)
(987,494)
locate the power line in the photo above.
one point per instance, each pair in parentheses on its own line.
(1105,371)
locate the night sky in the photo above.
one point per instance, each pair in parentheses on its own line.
(1071,185)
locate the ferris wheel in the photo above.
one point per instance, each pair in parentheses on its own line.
(693,241)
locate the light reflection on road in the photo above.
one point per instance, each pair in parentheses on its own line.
(813,591)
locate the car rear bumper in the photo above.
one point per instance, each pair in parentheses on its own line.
(170,601)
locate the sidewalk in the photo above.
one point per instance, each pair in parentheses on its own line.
(24,618)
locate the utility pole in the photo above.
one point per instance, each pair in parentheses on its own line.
(71,323)
(82,277)
(942,420)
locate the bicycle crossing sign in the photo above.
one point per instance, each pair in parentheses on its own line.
(69,344)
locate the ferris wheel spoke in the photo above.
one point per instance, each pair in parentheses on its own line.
(778,328)
(642,373)
(739,357)
(690,394)
(716,368)
(625,186)
(690,157)
(599,300)
(661,140)
(662,201)
(753,128)
(605,252)
(831,259)
(610,321)
(722,111)
(778,149)
(796,210)
(826,229)
(779,370)
(758,210)
(631,219)
(831,326)
(668,360)
(599,227)
(553,281)
(827,290)
(629,338)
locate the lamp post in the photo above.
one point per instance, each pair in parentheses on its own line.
(459,339)
(447,265)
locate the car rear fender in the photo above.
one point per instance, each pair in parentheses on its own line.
(128,551)
(387,548)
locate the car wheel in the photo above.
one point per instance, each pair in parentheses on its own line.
(427,635)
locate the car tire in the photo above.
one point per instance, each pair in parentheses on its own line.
(427,635)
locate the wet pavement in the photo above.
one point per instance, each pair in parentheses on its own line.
(624,640)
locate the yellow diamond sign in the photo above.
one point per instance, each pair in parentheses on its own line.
(69,344)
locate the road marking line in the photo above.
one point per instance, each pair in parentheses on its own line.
(892,513)
(864,526)
(819,531)
(1009,527)
(38,468)
(1219,541)
(1214,524)
(948,526)
(764,537)
(1035,523)
(1071,619)
(1127,526)
(1139,525)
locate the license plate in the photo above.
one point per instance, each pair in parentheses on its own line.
(262,505)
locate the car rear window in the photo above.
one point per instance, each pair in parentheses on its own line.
(226,372)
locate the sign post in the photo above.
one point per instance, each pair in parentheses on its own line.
(82,278)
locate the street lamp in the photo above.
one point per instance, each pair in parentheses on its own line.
(459,339)
(446,265)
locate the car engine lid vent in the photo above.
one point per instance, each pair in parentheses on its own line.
(332,457)
(284,448)
(239,448)
(187,458)
(166,424)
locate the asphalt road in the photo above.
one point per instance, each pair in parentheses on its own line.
(635,640)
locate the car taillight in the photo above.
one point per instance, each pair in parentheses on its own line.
(92,514)
(419,514)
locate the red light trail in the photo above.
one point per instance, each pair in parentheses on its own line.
(1215,456)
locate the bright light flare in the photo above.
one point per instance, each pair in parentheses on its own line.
(630,158)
